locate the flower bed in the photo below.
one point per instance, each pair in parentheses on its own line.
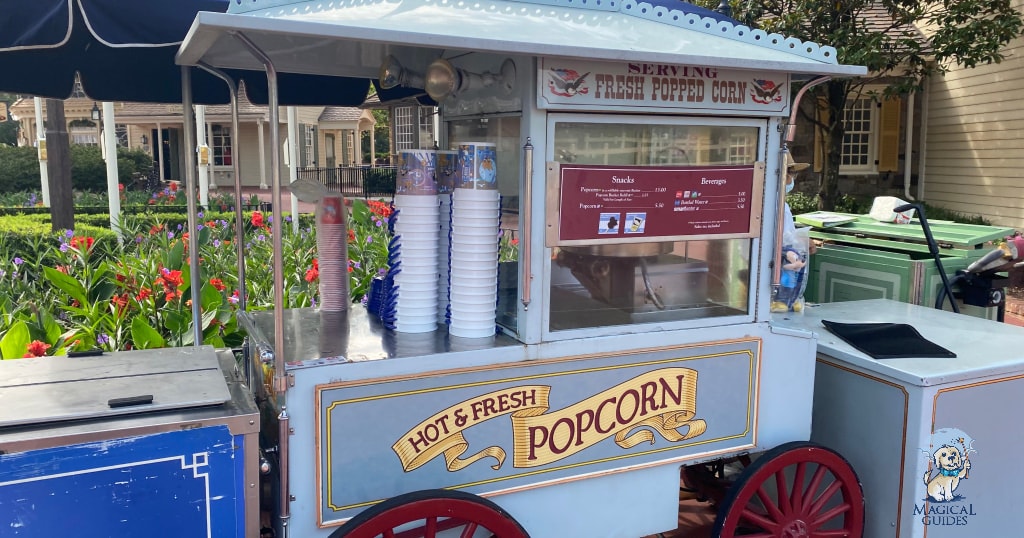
(85,290)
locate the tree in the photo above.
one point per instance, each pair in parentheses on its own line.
(8,128)
(960,32)
(58,167)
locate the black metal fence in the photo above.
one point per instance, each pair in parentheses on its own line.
(354,181)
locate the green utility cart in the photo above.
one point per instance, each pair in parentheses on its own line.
(867,259)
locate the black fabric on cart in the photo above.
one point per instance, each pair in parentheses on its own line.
(887,340)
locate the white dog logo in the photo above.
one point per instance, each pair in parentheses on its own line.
(952,467)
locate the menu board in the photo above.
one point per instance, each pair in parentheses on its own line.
(617,204)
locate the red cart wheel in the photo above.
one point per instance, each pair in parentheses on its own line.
(795,490)
(423,514)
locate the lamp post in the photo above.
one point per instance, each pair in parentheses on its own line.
(97,117)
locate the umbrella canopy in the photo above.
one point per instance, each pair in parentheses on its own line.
(123,50)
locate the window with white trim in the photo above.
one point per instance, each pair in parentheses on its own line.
(83,132)
(308,145)
(220,143)
(121,132)
(859,123)
(427,115)
(404,138)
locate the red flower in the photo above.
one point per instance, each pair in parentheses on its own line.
(120,302)
(156,228)
(172,277)
(257,219)
(143,294)
(314,273)
(120,187)
(218,284)
(174,187)
(351,236)
(380,209)
(37,349)
(82,243)
(514,242)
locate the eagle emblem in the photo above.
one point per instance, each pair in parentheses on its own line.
(567,82)
(766,91)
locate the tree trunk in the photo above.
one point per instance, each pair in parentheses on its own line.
(828,188)
(58,167)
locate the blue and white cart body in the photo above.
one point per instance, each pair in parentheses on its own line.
(576,417)
(137,443)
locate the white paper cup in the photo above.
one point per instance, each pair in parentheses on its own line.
(418,316)
(446,171)
(464,309)
(476,260)
(406,327)
(473,301)
(470,290)
(415,173)
(430,218)
(476,195)
(416,272)
(416,294)
(476,222)
(415,315)
(470,332)
(481,245)
(478,165)
(466,272)
(403,201)
(426,284)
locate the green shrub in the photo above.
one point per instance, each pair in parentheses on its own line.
(19,169)
(89,170)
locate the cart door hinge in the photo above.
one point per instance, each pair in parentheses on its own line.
(291,380)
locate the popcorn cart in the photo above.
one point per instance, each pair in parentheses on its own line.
(633,149)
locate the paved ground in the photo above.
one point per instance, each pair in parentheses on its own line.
(265,195)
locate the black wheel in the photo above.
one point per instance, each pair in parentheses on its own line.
(796,490)
(423,514)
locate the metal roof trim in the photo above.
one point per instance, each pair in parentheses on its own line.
(679,18)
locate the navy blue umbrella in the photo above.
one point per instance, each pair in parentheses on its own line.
(123,50)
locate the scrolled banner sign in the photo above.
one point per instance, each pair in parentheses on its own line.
(662,401)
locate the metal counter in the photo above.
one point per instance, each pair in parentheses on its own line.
(313,337)
(932,439)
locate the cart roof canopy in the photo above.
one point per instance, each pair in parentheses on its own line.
(349,38)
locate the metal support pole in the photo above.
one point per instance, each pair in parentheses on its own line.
(280,382)
(236,170)
(195,282)
(780,208)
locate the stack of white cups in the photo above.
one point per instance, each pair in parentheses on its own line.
(474,262)
(416,229)
(332,253)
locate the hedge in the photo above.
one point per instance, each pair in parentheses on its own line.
(19,168)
